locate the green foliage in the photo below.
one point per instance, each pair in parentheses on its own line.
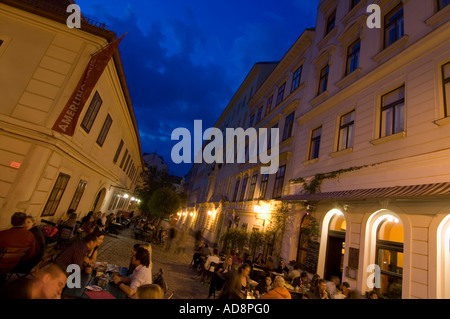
(163,203)
(314,185)
(256,241)
(234,238)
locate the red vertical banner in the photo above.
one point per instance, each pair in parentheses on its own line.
(68,119)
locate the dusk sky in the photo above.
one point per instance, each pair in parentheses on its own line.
(184,59)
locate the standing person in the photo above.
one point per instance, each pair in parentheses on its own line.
(170,239)
(141,275)
(279,290)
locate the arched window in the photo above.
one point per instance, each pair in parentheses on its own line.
(389,256)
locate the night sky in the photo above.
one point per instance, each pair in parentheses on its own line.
(184,59)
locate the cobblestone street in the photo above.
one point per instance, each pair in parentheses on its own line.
(182,281)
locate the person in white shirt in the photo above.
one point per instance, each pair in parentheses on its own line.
(214,258)
(142,274)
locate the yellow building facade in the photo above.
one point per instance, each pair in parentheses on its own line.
(365,157)
(44,172)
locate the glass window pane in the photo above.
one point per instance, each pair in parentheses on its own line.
(399,118)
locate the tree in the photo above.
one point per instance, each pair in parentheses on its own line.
(163,203)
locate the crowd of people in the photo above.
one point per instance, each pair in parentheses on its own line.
(230,275)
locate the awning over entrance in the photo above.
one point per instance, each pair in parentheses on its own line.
(398,192)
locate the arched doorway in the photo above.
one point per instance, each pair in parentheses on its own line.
(334,258)
(98,202)
(443,259)
(388,256)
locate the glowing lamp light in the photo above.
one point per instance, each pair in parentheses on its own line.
(337,212)
(125,196)
(209,213)
(191,214)
(257,209)
(133,199)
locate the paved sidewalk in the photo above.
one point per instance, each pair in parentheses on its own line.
(180,278)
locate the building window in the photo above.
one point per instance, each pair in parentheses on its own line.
(393,25)
(104,132)
(263,186)
(296,79)
(252,119)
(125,167)
(288,125)
(251,190)
(269,136)
(281,93)
(331,22)
(353,3)
(269,105)
(258,116)
(446,83)
(77,196)
(346,131)
(441,5)
(389,257)
(314,145)
(279,180)
(236,189)
(91,113)
(392,112)
(244,188)
(119,149)
(123,158)
(55,195)
(353,57)
(323,79)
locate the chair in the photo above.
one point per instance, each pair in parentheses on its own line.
(10,257)
(207,273)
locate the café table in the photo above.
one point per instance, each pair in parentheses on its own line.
(109,291)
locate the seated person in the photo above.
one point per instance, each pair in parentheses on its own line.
(265,287)
(68,231)
(269,265)
(18,237)
(152,291)
(282,268)
(295,272)
(321,290)
(279,291)
(92,255)
(304,280)
(214,258)
(26,266)
(78,254)
(131,267)
(259,261)
(48,283)
(142,275)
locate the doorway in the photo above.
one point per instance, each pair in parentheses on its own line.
(335,254)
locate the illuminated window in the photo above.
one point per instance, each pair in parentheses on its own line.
(389,256)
